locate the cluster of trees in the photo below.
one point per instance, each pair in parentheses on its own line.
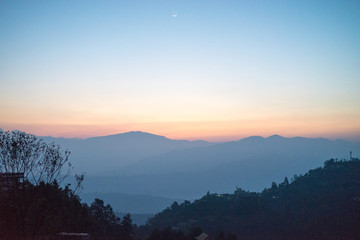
(45,210)
(33,205)
(322,204)
(105,224)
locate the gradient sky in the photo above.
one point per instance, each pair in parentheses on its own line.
(214,70)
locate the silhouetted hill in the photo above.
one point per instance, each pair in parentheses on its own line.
(103,155)
(322,204)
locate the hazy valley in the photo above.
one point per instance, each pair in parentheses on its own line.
(125,169)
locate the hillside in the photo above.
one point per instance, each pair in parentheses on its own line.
(322,204)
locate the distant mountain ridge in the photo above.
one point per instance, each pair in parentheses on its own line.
(102,154)
(142,163)
(251,148)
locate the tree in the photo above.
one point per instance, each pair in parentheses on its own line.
(105,222)
(284,183)
(126,227)
(174,205)
(39,161)
(24,205)
(329,163)
(273,185)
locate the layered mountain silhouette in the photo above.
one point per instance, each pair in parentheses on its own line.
(136,163)
(101,155)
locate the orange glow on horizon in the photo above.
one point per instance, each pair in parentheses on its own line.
(210,131)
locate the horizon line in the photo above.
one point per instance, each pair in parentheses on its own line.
(192,139)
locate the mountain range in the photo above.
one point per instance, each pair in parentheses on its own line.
(139,163)
(107,154)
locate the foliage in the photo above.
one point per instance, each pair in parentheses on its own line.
(52,210)
(105,225)
(37,207)
(45,209)
(25,199)
(322,204)
(126,227)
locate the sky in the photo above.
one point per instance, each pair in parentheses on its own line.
(185,69)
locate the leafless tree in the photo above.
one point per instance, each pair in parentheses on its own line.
(39,161)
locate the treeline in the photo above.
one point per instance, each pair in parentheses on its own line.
(34,206)
(46,211)
(322,204)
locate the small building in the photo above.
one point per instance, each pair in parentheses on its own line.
(203,236)
(72,236)
(10,180)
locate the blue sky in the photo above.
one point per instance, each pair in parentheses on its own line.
(172,67)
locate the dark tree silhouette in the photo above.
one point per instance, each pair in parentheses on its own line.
(105,223)
(126,227)
(26,164)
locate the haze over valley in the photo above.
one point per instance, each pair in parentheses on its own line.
(140,164)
